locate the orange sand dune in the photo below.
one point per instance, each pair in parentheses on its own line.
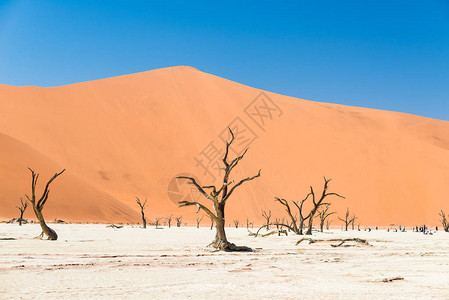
(130,135)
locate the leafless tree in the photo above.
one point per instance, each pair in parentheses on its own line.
(328,224)
(248,223)
(267,217)
(219,197)
(142,207)
(178,221)
(38,205)
(319,202)
(211,222)
(198,221)
(444,221)
(157,221)
(347,219)
(236,223)
(23,206)
(323,213)
(169,219)
(298,227)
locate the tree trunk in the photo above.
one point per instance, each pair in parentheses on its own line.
(50,233)
(144,222)
(322,225)
(21,217)
(300,227)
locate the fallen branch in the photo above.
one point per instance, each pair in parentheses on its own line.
(342,241)
(115,226)
(392,279)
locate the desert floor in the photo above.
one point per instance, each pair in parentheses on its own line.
(93,261)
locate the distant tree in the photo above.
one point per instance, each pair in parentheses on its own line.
(169,219)
(267,217)
(323,213)
(178,221)
(157,221)
(23,206)
(198,221)
(219,197)
(328,224)
(236,223)
(142,207)
(444,221)
(248,223)
(319,202)
(347,221)
(38,205)
(211,222)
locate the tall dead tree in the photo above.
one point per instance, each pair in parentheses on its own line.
(38,205)
(219,197)
(23,206)
(267,217)
(323,213)
(142,207)
(347,220)
(317,204)
(444,221)
(178,221)
(198,221)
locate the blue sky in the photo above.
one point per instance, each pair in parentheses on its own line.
(391,55)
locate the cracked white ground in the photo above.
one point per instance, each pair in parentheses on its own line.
(93,261)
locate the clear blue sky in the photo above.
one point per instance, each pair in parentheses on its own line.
(385,54)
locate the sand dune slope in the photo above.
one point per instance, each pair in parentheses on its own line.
(131,135)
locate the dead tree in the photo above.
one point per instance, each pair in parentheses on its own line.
(157,221)
(267,217)
(211,223)
(219,197)
(178,221)
(444,221)
(236,223)
(328,224)
(38,205)
(198,221)
(347,220)
(169,219)
(317,204)
(248,223)
(323,213)
(23,206)
(142,207)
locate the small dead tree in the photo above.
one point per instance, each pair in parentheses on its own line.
(38,205)
(317,204)
(157,221)
(23,206)
(142,207)
(236,223)
(267,217)
(328,224)
(169,219)
(211,223)
(219,197)
(178,221)
(323,213)
(444,221)
(198,221)
(347,220)
(248,223)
